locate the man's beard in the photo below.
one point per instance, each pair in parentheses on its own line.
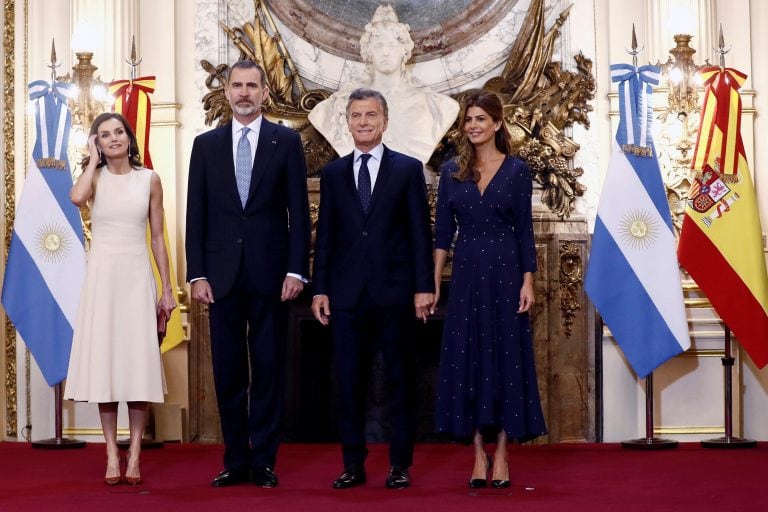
(244,109)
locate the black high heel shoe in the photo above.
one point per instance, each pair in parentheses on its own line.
(502,484)
(478,483)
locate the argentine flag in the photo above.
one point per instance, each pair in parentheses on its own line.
(633,276)
(46,260)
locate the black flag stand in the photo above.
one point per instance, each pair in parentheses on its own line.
(649,442)
(728,441)
(59,442)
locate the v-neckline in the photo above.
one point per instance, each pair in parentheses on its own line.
(477,185)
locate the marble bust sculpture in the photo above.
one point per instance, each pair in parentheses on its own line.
(418,118)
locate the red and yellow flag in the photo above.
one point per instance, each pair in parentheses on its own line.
(132,102)
(721,240)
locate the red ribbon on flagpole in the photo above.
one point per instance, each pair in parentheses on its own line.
(132,102)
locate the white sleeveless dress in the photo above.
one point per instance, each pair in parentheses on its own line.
(115,351)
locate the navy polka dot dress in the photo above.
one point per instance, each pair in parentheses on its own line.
(487,376)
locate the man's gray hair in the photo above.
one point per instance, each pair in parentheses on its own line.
(248,64)
(363,93)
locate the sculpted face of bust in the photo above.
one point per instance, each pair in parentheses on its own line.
(387,53)
(386,44)
(417,118)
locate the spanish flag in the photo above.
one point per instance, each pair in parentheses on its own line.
(721,240)
(132,102)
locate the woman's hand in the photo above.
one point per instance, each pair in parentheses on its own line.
(527,298)
(167,303)
(93,150)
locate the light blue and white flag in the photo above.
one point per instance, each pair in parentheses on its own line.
(46,260)
(633,276)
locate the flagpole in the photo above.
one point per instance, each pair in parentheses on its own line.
(59,442)
(728,441)
(649,442)
(146,442)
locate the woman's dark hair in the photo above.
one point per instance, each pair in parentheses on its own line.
(492,105)
(133,145)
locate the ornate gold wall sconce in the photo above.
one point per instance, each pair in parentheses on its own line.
(90,97)
(682,75)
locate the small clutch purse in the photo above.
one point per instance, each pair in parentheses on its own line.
(162,323)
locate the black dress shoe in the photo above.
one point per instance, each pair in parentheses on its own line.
(397,478)
(478,483)
(264,477)
(501,484)
(231,477)
(349,478)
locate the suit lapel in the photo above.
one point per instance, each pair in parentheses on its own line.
(349,183)
(265,149)
(228,162)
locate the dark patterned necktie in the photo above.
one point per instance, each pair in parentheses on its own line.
(364,183)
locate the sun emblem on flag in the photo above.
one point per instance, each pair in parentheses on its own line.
(53,242)
(639,229)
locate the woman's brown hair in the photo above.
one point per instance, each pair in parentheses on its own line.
(491,103)
(133,146)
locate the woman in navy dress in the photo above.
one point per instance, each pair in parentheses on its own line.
(487,379)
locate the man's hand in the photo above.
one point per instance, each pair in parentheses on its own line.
(291,288)
(321,309)
(201,291)
(423,304)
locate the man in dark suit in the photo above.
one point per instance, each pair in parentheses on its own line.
(247,245)
(372,267)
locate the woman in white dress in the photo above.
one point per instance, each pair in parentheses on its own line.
(115,350)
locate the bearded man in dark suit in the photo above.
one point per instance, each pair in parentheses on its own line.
(247,246)
(372,268)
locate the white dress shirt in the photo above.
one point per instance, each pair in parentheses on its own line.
(374,163)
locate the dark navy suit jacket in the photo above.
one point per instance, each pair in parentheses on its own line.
(271,234)
(389,250)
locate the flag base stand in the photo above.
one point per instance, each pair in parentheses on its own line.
(649,442)
(728,442)
(58,442)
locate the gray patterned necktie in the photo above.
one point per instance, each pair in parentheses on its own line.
(243,166)
(364,182)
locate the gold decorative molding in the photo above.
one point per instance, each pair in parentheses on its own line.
(91,432)
(571,276)
(703,352)
(9,106)
(541,100)
(689,430)
(289,101)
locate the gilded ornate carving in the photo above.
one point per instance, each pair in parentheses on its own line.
(9,78)
(289,102)
(571,276)
(540,101)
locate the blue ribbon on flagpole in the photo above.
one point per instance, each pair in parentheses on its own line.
(53,121)
(635,109)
